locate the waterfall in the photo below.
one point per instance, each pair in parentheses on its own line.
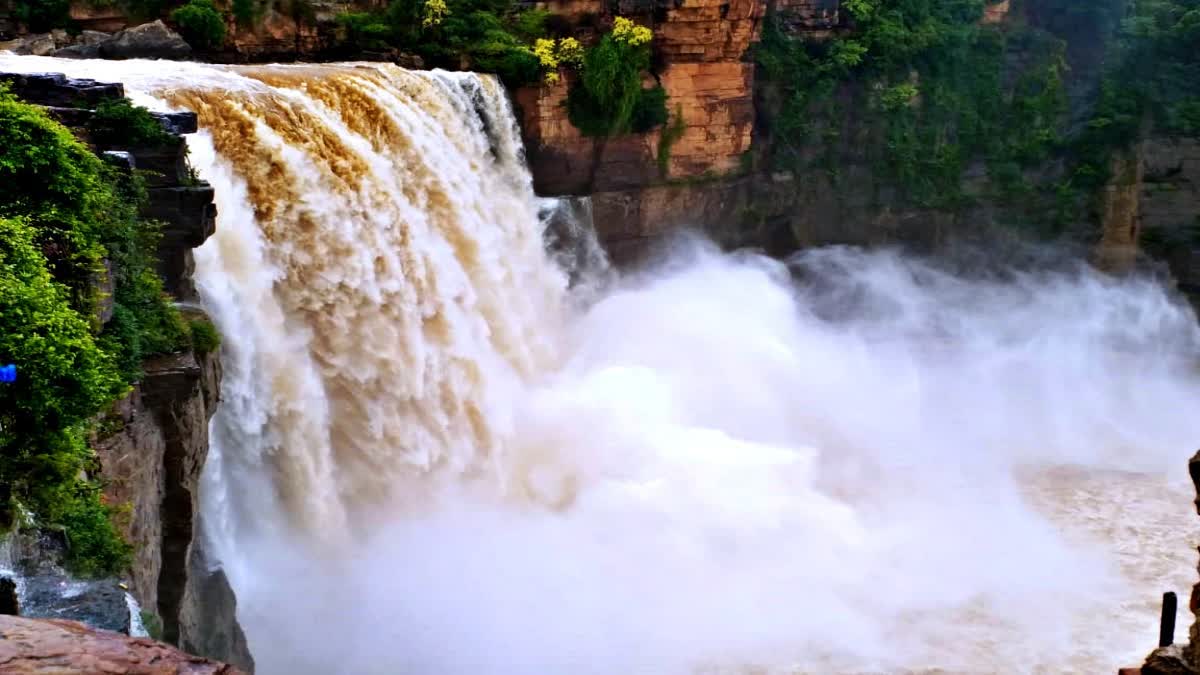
(437,451)
(380,277)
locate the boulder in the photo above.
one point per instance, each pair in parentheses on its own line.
(10,601)
(33,647)
(79,52)
(58,90)
(36,45)
(92,37)
(148,41)
(1167,661)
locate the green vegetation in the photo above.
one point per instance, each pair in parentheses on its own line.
(669,136)
(153,624)
(484,35)
(1153,80)
(42,15)
(934,80)
(200,24)
(120,123)
(205,338)
(938,90)
(245,11)
(63,213)
(609,98)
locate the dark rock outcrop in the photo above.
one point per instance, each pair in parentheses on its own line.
(1192,650)
(59,91)
(148,41)
(45,647)
(181,391)
(10,603)
(189,217)
(208,620)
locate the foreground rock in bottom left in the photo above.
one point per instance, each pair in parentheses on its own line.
(56,646)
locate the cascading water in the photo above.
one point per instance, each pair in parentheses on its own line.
(429,459)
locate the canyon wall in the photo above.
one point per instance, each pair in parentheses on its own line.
(640,185)
(715,177)
(719,177)
(1168,210)
(152,445)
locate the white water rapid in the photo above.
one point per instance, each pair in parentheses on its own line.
(432,458)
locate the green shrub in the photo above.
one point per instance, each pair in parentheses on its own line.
(531,24)
(153,624)
(649,110)
(365,30)
(200,24)
(245,11)
(49,176)
(609,99)
(937,79)
(119,123)
(43,15)
(487,36)
(64,378)
(515,64)
(93,546)
(63,211)
(205,337)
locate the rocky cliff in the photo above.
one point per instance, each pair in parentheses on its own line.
(153,444)
(722,174)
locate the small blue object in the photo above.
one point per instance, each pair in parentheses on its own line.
(8,373)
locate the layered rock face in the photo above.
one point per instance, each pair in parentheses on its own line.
(54,647)
(154,442)
(703,45)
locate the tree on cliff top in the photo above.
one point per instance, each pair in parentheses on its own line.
(609,98)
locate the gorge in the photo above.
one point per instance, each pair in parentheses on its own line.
(442,448)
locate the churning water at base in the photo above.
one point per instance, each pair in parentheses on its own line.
(433,457)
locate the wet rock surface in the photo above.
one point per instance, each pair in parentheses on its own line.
(100,603)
